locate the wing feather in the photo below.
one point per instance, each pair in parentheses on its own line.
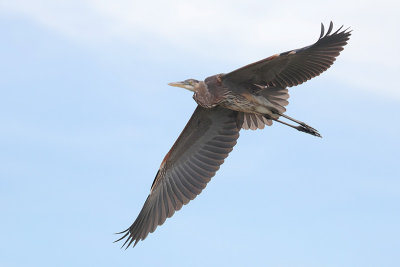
(193,160)
(293,67)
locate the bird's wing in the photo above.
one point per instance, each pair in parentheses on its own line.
(293,67)
(193,160)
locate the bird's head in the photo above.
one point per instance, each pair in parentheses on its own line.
(189,84)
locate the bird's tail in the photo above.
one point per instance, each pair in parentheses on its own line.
(275,95)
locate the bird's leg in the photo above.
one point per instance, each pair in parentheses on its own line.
(299,122)
(301,128)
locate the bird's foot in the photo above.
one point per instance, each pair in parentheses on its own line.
(308,129)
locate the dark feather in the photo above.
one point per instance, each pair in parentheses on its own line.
(193,160)
(293,67)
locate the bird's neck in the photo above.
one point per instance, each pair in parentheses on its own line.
(204,96)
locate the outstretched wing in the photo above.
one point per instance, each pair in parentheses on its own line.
(293,67)
(193,160)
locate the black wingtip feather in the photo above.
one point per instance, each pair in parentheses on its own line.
(125,235)
(121,233)
(328,33)
(330,28)
(339,30)
(130,242)
(322,31)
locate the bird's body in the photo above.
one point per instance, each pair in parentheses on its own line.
(213,92)
(250,98)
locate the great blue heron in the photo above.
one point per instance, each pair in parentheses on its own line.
(250,97)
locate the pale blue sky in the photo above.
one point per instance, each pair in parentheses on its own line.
(87,116)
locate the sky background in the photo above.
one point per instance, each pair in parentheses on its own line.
(86,118)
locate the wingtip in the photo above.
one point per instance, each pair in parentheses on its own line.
(119,233)
(330,28)
(329,32)
(126,233)
(322,30)
(348,30)
(323,34)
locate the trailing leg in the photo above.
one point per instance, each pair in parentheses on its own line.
(302,127)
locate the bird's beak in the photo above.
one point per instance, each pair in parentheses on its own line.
(182,85)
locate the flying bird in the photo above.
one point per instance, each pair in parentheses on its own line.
(250,98)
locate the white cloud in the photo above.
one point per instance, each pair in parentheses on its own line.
(249,30)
